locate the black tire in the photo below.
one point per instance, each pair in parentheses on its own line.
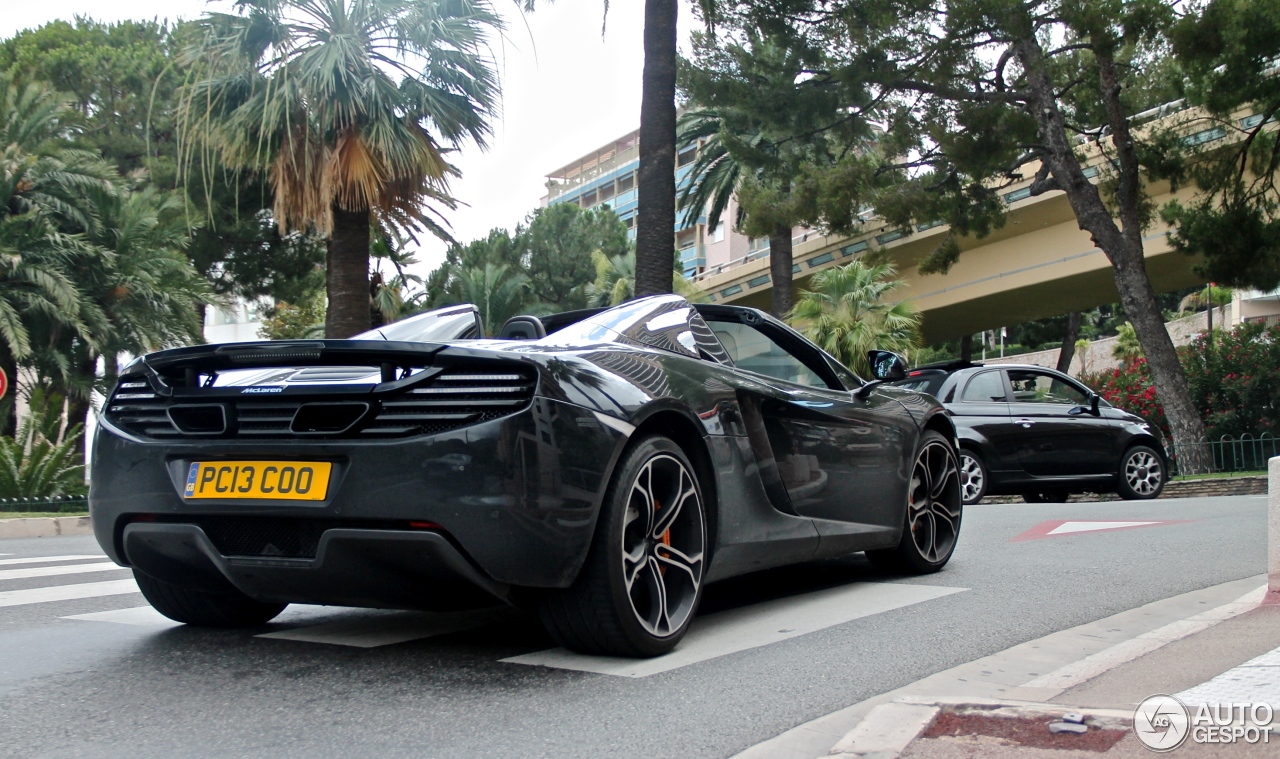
(204,609)
(1143,474)
(933,513)
(1047,496)
(604,614)
(974,478)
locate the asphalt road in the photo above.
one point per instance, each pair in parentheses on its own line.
(122,684)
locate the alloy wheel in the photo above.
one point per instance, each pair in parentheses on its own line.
(1143,472)
(934,510)
(972,482)
(663,541)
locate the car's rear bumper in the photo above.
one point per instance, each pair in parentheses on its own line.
(352,567)
(510,502)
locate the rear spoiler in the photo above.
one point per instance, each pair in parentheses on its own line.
(182,371)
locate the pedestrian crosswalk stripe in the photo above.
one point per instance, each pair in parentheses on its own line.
(67,592)
(140,616)
(387,628)
(72,569)
(47,559)
(752,626)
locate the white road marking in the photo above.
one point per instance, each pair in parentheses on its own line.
(67,592)
(73,569)
(1086,669)
(1070,527)
(142,616)
(1257,681)
(388,627)
(753,626)
(48,559)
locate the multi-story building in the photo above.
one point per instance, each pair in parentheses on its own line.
(607,175)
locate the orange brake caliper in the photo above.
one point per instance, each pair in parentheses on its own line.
(666,537)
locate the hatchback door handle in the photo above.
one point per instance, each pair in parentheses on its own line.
(1025,422)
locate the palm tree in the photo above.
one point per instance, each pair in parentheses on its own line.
(847,312)
(616,282)
(149,290)
(1127,348)
(496,291)
(45,209)
(655,178)
(347,107)
(402,293)
(715,177)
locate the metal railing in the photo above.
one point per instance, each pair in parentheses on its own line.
(44,504)
(1243,454)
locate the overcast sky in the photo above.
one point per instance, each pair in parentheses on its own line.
(566,91)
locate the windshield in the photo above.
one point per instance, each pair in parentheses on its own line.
(443,325)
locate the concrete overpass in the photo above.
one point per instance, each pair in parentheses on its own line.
(1040,264)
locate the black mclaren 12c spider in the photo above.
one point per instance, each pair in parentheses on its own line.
(598,466)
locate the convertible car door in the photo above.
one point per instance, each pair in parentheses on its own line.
(839,458)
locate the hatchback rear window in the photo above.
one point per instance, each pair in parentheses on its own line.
(929,382)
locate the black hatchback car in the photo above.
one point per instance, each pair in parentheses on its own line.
(1036,432)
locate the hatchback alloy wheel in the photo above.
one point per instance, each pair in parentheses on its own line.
(973,478)
(1143,473)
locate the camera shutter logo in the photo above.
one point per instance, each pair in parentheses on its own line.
(1161,722)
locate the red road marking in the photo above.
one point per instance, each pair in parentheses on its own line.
(1057,528)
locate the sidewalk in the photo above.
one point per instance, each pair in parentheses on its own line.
(1087,692)
(1103,668)
(1234,661)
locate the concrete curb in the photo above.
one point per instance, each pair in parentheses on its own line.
(45,527)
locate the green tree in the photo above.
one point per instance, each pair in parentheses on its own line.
(848,311)
(974,96)
(291,322)
(752,116)
(121,83)
(347,106)
(1227,52)
(556,245)
(552,247)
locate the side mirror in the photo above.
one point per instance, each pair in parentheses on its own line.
(887,366)
(1094,399)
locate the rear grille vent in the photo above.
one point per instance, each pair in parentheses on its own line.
(454,399)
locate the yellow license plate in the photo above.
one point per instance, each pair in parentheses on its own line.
(275,480)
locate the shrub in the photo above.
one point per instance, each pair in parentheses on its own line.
(36,464)
(1235,383)
(1130,388)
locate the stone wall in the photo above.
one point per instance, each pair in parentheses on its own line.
(1098,357)
(1208,487)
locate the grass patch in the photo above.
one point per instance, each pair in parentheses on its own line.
(1217,475)
(29,514)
